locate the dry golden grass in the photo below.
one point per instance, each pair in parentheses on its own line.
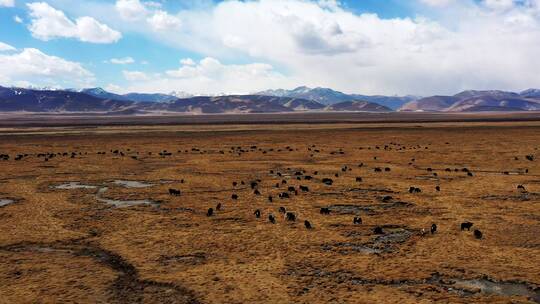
(61,246)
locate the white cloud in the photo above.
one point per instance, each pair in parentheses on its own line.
(113,88)
(48,23)
(210,76)
(7,3)
(33,66)
(150,12)
(468,45)
(439,3)
(125,60)
(17,19)
(131,9)
(135,76)
(6,47)
(448,46)
(161,21)
(499,4)
(187,61)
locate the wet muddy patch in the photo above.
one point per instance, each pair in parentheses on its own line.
(131,184)
(390,241)
(6,201)
(467,287)
(462,287)
(72,186)
(123,203)
(128,287)
(350,209)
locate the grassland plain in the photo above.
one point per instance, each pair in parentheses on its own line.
(86,227)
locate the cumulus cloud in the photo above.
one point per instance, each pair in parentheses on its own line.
(161,21)
(6,47)
(7,3)
(439,3)
(135,75)
(48,23)
(131,9)
(445,47)
(187,61)
(475,44)
(33,66)
(211,76)
(149,12)
(125,60)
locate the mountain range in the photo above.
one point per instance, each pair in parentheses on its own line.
(272,101)
(477,101)
(327,96)
(100,101)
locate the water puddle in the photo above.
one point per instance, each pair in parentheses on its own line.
(485,286)
(503,288)
(131,184)
(123,203)
(73,185)
(5,202)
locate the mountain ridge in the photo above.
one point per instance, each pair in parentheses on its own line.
(477,101)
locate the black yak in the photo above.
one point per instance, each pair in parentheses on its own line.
(477,234)
(325,211)
(466,225)
(291,216)
(378,230)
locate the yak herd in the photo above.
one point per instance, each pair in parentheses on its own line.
(299,175)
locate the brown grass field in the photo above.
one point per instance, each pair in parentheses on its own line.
(75,246)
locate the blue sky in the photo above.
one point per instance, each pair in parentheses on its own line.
(210,47)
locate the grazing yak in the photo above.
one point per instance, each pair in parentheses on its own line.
(234,196)
(284,195)
(282,210)
(358,179)
(327,181)
(271,219)
(433,228)
(210,212)
(290,216)
(174,192)
(477,234)
(307,224)
(218,207)
(357,220)
(325,211)
(270,198)
(257,213)
(466,225)
(378,230)
(304,188)
(438,188)
(414,190)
